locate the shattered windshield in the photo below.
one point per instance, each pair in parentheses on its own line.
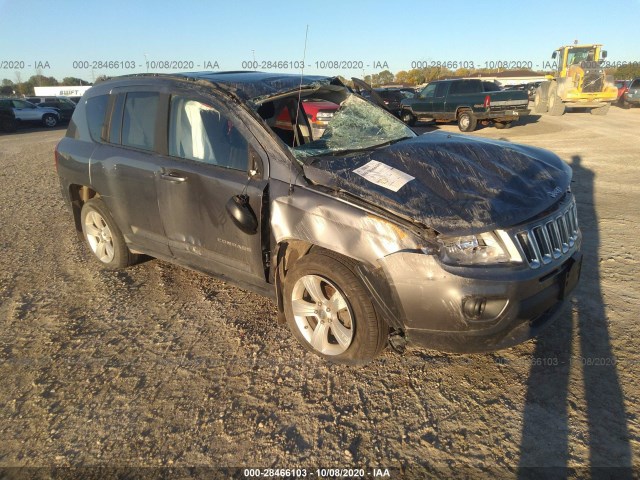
(356,125)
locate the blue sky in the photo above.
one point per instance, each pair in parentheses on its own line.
(398,33)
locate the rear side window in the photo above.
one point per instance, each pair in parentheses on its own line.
(635,83)
(95,111)
(491,87)
(139,119)
(465,86)
(202,133)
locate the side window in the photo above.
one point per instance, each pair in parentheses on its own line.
(428,91)
(139,119)
(21,104)
(95,111)
(490,87)
(202,133)
(441,90)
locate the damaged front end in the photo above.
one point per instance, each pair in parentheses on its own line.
(463,245)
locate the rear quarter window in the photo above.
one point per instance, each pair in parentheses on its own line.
(490,87)
(465,86)
(95,110)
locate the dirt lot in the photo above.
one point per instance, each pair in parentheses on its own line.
(158,366)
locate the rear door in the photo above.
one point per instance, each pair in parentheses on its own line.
(125,166)
(210,153)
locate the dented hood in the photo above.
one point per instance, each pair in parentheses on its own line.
(460,184)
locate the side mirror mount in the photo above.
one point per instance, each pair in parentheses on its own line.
(242,214)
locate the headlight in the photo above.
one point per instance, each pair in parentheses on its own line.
(481,249)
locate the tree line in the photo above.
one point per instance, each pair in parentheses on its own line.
(416,76)
(9,87)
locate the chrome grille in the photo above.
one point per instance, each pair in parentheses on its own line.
(549,239)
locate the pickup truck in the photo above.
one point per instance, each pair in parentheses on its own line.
(465,101)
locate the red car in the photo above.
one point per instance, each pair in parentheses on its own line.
(623,87)
(318,112)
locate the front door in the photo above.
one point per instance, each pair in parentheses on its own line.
(422,104)
(208,163)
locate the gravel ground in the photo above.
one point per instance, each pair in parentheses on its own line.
(158,366)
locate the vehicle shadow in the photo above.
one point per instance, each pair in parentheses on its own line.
(545,448)
(22,129)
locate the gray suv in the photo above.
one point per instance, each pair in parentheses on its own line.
(365,234)
(27,112)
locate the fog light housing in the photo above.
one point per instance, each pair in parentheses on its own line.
(482,309)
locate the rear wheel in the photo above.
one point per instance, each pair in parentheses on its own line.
(8,125)
(407,117)
(601,110)
(330,312)
(539,102)
(49,120)
(556,107)
(467,121)
(103,236)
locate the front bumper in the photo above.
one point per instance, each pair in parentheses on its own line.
(633,98)
(439,305)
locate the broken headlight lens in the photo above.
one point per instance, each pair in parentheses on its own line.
(481,249)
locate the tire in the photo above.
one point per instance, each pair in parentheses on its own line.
(540,104)
(8,125)
(49,120)
(103,237)
(330,312)
(555,105)
(601,110)
(624,104)
(467,121)
(407,117)
(502,125)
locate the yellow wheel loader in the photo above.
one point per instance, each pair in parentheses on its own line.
(579,81)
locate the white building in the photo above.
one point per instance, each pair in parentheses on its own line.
(61,91)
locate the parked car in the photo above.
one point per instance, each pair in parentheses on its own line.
(390,98)
(631,97)
(466,101)
(319,112)
(63,105)
(365,235)
(27,112)
(8,121)
(622,86)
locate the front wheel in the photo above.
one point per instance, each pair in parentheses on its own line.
(49,120)
(467,121)
(330,312)
(601,110)
(407,117)
(103,236)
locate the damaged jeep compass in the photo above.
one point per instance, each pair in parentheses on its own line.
(363,232)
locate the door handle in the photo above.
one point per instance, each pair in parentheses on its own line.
(173,177)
